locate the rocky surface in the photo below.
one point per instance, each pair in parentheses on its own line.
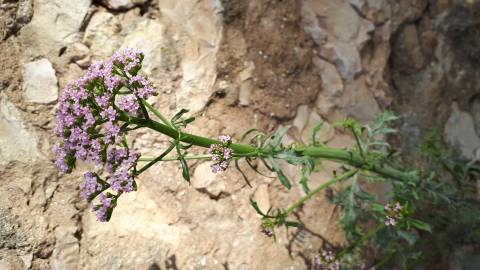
(39,82)
(236,65)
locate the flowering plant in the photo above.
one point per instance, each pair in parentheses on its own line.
(98,110)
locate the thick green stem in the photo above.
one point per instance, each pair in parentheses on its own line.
(320,188)
(323,152)
(144,159)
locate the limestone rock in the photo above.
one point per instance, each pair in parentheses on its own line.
(262,197)
(65,253)
(246,85)
(55,24)
(345,57)
(332,86)
(339,31)
(325,134)
(102,34)
(148,37)
(40,82)
(460,132)
(201,23)
(301,118)
(17,143)
(122,4)
(205,179)
(79,53)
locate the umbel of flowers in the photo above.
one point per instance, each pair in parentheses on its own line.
(326,261)
(394,213)
(221,154)
(89,127)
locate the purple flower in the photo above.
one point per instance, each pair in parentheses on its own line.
(129,104)
(142,87)
(103,208)
(394,213)
(326,261)
(225,139)
(90,186)
(89,127)
(221,154)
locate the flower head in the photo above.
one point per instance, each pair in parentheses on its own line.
(90,128)
(221,154)
(394,213)
(326,260)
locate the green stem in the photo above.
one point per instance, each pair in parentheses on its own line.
(157,159)
(324,152)
(320,188)
(359,145)
(157,113)
(144,159)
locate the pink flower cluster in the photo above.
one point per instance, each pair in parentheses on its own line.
(221,154)
(394,213)
(326,261)
(89,126)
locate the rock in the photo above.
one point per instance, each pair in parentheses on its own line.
(302,117)
(262,197)
(79,53)
(325,134)
(27,260)
(204,179)
(39,82)
(55,24)
(201,23)
(24,12)
(332,84)
(122,4)
(412,56)
(102,34)
(148,37)
(345,57)
(360,103)
(66,251)
(17,142)
(339,31)
(460,132)
(246,85)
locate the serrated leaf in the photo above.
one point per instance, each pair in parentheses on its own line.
(408,236)
(281,176)
(276,139)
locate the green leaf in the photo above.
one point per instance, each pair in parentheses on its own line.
(242,173)
(420,225)
(178,115)
(316,129)
(378,207)
(281,176)
(183,162)
(257,209)
(276,139)
(411,238)
(292,224)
